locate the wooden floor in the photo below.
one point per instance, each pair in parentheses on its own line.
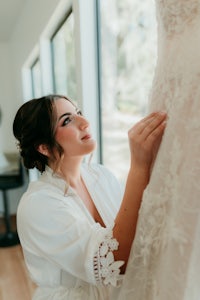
(14,281)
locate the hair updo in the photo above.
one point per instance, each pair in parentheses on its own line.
(34,124)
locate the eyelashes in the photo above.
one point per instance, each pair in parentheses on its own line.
(70,118)
(79,112)
(67,120)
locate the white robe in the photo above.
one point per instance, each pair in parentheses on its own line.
(64,248)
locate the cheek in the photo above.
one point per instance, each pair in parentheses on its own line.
(65,135)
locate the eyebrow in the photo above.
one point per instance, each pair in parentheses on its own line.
(65,114)
(68,114)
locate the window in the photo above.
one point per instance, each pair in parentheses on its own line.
(128,55)
(64,65)
(36,79)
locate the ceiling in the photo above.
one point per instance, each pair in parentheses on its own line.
(10,11)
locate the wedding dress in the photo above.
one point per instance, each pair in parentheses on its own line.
(164,261)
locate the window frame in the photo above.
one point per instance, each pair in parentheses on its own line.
(59,26)
(32,76)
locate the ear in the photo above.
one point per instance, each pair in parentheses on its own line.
(43,149)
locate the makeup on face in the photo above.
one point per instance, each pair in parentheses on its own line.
(68,117)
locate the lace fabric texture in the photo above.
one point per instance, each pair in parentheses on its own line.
(106,269)
(164,261)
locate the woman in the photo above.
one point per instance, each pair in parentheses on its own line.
(75,226)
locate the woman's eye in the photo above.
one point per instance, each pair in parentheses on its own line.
(66,121)
(79,113)
(71,117)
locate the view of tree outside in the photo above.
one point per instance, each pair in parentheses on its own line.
(128,58)
(64,65)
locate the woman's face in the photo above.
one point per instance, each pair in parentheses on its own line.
(72,130)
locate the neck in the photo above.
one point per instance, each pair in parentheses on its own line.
(70,170)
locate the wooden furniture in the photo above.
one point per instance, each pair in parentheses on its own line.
(11,177)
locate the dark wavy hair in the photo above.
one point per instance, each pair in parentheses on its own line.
(34,124)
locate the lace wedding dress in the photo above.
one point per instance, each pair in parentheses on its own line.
(164,262)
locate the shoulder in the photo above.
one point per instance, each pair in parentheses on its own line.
(100,175)
(44,204)
(99,170)
(38,189)
(38,196)
(41,196)
(102,169)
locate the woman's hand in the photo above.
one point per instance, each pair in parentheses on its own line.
(145,138)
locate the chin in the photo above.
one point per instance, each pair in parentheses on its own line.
(91,147)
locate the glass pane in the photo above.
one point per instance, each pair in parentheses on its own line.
(36,79)
(128,56)
(63,46)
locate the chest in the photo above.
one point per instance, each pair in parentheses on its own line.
(88,202)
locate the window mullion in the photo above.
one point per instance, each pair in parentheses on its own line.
(86,45)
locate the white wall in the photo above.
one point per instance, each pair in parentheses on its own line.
(6,98)
(33,20)
(13,54)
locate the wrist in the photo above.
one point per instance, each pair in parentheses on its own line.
(143,169)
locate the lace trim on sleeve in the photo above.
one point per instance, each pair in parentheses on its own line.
(106,269)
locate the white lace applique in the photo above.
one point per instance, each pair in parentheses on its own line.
(106,269)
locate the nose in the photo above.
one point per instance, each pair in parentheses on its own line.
(82,122)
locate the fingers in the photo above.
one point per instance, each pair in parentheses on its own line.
(156,134)
(144,122)
(148,131)
(145,138)
(149,128)
(152,124)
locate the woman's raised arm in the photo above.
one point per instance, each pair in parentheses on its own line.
(144,141)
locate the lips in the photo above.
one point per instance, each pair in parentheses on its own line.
(86,137)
